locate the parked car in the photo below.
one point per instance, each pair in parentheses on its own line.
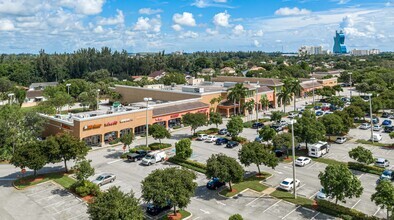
(221,141)
(321,194)
(386,122)
(377,128)
(258,139)
(319,113)
(389,129)
(387,175)
(385,115)
(154,157)
(302,161)
(232,144)
(376,137)
(211,139)
(340,140)
(138,155)
(222,131)
(202,137)
(381,162)
(365,126)
(154,210)
(104,178)
(257,125)
(375,120)
(328,112)
(284,123)
(277,127)
(215,183)
(317,107)
(293,115)
(325,108)
(287,184)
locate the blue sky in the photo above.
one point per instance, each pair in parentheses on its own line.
(26,26)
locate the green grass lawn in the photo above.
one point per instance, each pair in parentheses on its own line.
(60,178)
(377,144)
(290,198)
(184,214)
(328,161)
(252,182)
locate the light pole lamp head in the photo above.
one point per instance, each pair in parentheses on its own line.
(147,99)
(10,94)
(313,78)
(292,122)
(68,84)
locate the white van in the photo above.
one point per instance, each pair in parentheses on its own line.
(318,149)
(376,137)
(154,157)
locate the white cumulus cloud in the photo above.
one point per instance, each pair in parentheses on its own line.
(222,19)
(147,24)
(220,1)
(149,11)
(256,43)
(6,25)
(286,11)
(86,7)
(211,31)
(258,33)
(118,19)
(238,29)
(176,27)
(189,34)
(185,19)
(98,30)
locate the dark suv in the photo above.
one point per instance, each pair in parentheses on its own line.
(232,144)
(215,183)
(221,141)
(257,125)
(153,209)
(277,127)
(389,128)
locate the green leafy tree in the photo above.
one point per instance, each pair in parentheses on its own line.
(127,139)
(340,183)
(98,75)
(235,126)
(169,185)
(264,102)
(88,99)
(276,116)
(391,134)
(254,152)
(237,93)
(177,78)
(308,129)
(29,155)
(194,120)
(384,196)
(336,101)
(284,141)
(215,118)
(183,148)
(65,147)
(249,105)
(60,99)
(354,111)
(235,217)
(115,204)
(159,132)
(227,169)
(83,169)
(338,89)
(346,119)
(333,124)
(361,155)
(77,87)
(267,133)
(285,96)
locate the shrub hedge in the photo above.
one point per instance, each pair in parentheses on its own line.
(193,165)
(85,187)
(239,139)
(115,141)
(158,146)
(365,168)
(341,211)
(248,124)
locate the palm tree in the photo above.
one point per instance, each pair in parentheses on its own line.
(264,102)
(294,87)
(249,106)
(236,94)
(285,97)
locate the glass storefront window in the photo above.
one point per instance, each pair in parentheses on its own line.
(140,130)
(174,122)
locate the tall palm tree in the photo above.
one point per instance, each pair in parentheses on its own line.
(236,94)
(264,102)
(249,105)
(294,87)
(285,97)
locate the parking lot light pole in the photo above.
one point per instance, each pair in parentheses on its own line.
(98,100)
(350,83)
(370,114)
(257,104)
(313,91)
(68,92)
(293,152)
(147,99)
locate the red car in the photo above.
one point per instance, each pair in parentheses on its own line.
(326,108)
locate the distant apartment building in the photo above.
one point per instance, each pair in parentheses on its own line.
(339,43)
(311,50)
(357,52)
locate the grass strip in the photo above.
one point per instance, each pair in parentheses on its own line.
(279,194)
(252,182)
(60,178)
(183,213)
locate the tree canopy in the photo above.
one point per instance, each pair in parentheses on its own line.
(361,155)
(159,132)
(235,126)
(183,148)
(226,168)
(194,120)
(384,196)
(254,152)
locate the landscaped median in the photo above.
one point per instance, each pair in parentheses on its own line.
(183,213)
(377,144)
(193,165)
(60,178)
(252,182)
(341,211)
(305,202)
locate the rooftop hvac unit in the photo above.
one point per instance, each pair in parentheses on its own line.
(192,89)
(229,84)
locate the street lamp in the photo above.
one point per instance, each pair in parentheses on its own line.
(98,93)
(10,96)
(147,99)
(257,104)
(313,92)
(292,122)
(370,114)
(68,92)
(350,83)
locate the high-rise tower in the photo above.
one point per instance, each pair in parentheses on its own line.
(339,43)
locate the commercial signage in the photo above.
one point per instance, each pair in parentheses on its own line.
(125,120)
(111,123)
(90,127)
(174,116)
(158,119)
(202,111)
(66,126)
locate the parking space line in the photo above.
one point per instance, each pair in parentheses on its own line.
(314,195)
(361,176)
(301,186)
(47,189)
(291,212)
(114,161)
(376,211)
(254,200)
(314,163)
(315,215)
(356,203)
(272,205)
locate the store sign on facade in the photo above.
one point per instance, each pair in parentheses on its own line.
(174,116)
(66,127)
(158,119)
(90,127)
(125,120)
(111,123)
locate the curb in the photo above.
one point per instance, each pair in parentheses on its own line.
(191,215)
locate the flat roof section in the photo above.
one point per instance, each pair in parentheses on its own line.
(178,108)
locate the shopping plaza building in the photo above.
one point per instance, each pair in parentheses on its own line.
(167,106)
